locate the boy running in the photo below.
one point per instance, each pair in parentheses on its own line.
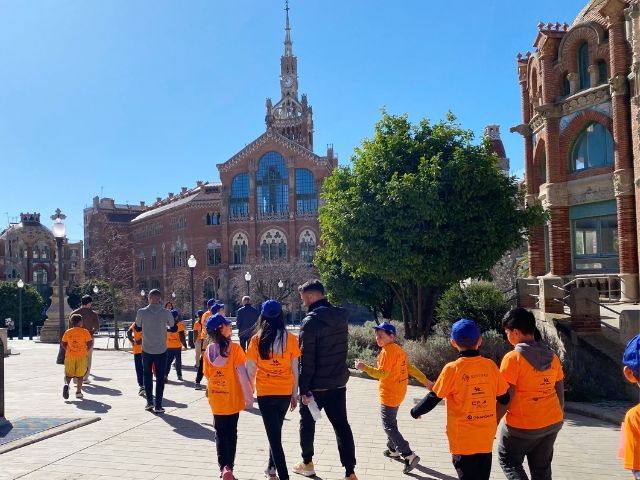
(76,343)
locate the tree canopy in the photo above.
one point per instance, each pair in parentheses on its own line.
(420,208)
(32,304)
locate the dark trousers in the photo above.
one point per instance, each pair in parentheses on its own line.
(199,373)
(273,409)
(160,362)
(472,467)
(395,440)
(226,427)
(244,342)
(334,403)
(177,354)
(137,360)
(539,452)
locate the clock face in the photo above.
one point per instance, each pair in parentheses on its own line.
(288,81)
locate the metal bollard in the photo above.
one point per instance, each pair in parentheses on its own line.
(30,330)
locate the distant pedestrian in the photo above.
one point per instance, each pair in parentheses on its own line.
(91,323)
(229,390)
(154,320)
(393,371)
(197,327)
(135,337)
(535,412)
(471,386)
(323,375)
(272,363)
(168,306)
(214,308)
(175,341)
(631,425)
(246,319)
(76,343)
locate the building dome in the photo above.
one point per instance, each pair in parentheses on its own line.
(591,13)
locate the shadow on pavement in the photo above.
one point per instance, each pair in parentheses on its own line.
(187,428)
(90,405)
(94,389)
(583,421)
(433,474)
(99,379)
(166,403)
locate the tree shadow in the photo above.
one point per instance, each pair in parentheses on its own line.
(188,428)
(90,405)
(100,390)
(433,474)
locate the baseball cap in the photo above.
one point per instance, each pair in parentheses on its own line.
(631,356)
(199,313)
(211,302)
(386,327)
(214,322)
(271,309)
(465,332)
(174,313)
(215,308)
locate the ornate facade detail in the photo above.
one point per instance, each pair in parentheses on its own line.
(585,99)
(623,182)
(553,195)
(604,108)
(591,189)
(536,123)
(548,111)
(523,129)
(618,85)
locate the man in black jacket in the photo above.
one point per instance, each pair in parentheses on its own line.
(246,319)
(323,376)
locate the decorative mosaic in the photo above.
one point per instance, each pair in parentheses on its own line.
(24,427)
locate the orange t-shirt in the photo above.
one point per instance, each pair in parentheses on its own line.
(224,390)
(274,376)
(470,386)
(76,338)
(631,429)
(197,327)
(393,388)
(535,403)
(173,338)
(203,325)
(137,337)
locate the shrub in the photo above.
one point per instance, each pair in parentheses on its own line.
(481,302)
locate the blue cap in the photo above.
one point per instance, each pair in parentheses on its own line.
(199,313)
(214,322)
(216,307)
(631,357)
(271,309)
(386,327)
(174,313)
(465,333)
(211,302)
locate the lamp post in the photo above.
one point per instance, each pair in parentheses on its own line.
(95,289)
(20,286)
(142,294)
(247,277)
(59,231)
(192,262)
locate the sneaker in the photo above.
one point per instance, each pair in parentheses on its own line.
(270,473)
(351,477)
(390,453)
(149,407)
(158,410)
(180,379)
(65,392)
(79,395)
(305,469)
(199,386)
(227,473)
(410,462)
(142,392)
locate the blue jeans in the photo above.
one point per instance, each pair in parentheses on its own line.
(160,361)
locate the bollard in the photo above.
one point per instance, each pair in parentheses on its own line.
(30,330)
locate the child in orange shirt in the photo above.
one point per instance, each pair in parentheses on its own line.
(76,342)
(631,425)
(393,371)
(229,390)
(175,341)
(197,327)
(134,334)
(212,308)
(272,362)
(471,385)
(536,389)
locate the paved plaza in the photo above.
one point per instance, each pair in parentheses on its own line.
(131,443)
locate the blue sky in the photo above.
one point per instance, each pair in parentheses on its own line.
(136,98)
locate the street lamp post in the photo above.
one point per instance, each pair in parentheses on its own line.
(59,232)
(192,266)
(95,289)
(20,286)
(143,294)
(247,277)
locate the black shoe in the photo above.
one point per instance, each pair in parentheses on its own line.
(158,410)
(142,392)
(410,462)
(180,378)
(65,392)
(149,407)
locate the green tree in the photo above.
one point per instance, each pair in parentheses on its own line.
(421,208)
(482,302)
(32,304)
(103,301)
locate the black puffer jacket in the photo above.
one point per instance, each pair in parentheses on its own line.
(323,342)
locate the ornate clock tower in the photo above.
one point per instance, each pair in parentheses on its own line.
(290,117)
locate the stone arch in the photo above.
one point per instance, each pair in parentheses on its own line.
(239,244)
(593,34)
(579,123)
(273,244)
(539,154)
(307,244)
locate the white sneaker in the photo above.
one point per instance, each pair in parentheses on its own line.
(270,473)
(305,469)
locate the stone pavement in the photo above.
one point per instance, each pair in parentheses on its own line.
(133,444)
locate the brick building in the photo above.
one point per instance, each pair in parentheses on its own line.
(264,210)
(582,150)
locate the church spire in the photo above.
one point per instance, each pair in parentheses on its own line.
(288,50)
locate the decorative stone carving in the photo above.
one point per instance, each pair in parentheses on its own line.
(618,85)
(604,108)
(536,123)
(523,129)
(623,182)
(573,82)
(591,189)
(553,195)
(585,99)
(548,110)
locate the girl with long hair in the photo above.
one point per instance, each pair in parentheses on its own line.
(272,363)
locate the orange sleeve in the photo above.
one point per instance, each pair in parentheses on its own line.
(180,327)
(252,350)
(384,360)
(503,386)
(293,346)
(558,368)
(206,366)
(65,336)
(509,368)
(444,384)
(632,440)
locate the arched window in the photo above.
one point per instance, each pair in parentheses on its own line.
(307,246)
(40,276)
(209,288)
(273,246)
(214,253)
(566,86)
(306,198)
(603,73)
(44,252)
(239,202)
(583,66)
(36,251)
(240,246)
(593,148)
(543,167)
(272,182)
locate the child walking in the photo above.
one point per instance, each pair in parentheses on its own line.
(212,309)
(535,412)
(631,425)
(197,328)
(471,385)
(134,334)
(393,371)
(76,342)
(228,390)
(175,341)
(272,363)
